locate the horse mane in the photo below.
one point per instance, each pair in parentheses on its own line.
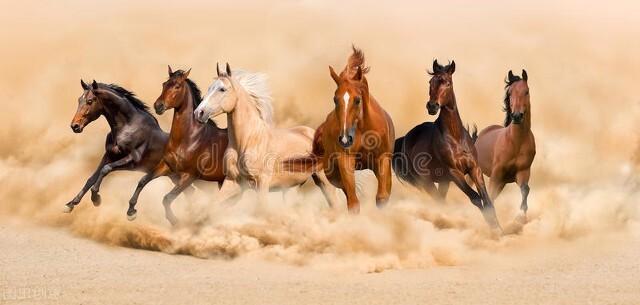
(506,103)
(195,92)
(355,60)
(256,85)
(131,98)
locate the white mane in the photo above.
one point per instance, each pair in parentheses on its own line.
(256,85)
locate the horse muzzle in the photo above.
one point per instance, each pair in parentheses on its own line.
(517,117)
(433,107)
(159,107)
(77,127)
(346,139)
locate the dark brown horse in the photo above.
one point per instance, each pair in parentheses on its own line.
(135,142)
(358,134)
(194,151)
(442,151)
(506,152)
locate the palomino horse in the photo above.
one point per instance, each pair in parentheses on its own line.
(442,151)
(506,153)
(194,150)
(255,146)
(135,142)
(358,134)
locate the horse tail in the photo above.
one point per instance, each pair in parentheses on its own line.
(309,163)
(355,60)
(474,133)
(399,161)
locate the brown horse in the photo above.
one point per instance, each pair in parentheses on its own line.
(194,151)
(135,141)
(442,151)
(506,152)
(358,134)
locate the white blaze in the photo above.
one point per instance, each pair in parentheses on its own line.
(346,109)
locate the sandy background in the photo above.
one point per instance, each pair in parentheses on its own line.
(580,245)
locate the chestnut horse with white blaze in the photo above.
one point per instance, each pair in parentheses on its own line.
(358,134)
(506,152)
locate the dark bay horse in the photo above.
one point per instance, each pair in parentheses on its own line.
(442,151)
(358,134)
(135,142)
(506,152)
(194,151)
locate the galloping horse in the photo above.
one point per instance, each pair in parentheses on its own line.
(135,142)
(506,153)
(442,151)
(255,145)
(358,134)
(194,150)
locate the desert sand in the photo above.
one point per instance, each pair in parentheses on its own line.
(581,243)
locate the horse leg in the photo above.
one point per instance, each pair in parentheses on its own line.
(109,167)
(346,168)
(184,182)
(488,212)
(92,179)
(161,169)
(430,187)
(522,179)
(329,192)
(188,192)
(496,184)
(229,189)
(383,174)
(262,187)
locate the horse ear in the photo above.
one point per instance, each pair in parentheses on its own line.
(228,70)
(511,76)
(524,75)
(218,69)
(186,74)
(94,85)
(335,76)
(358,75)
(84,85)
(169,70)
(452,67)
(436,67)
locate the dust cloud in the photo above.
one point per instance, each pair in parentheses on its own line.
(582,65)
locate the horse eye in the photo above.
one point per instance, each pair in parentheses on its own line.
(358,100)
(526,93)
(336,100)
(223,89)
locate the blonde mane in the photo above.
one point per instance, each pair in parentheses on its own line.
(256,86)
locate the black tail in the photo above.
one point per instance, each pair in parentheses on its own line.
(474,133)
(400,163)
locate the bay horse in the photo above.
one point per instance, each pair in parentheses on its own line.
(194,150)
(255,145)
(505,153)
(442,151)
(135,142)
(358,134)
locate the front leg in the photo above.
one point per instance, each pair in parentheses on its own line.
(522,179)
(132,157)
(91,181)
(488,210)
(383,174)
(262,187)
(346,167)
(161,169)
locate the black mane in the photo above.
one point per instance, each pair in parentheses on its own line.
(132,98)
(507,104)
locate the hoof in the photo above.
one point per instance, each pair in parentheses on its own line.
(132,217)
(521,218)
(96,199)
(67,208)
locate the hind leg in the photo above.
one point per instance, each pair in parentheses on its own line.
(443,189)
(522,179)
(430,187)
(160,170)
(184,182)
(383,174)
(329,192)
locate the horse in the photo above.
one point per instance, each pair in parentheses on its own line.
(194,150)
(357,134)
(505,153)
(442,151)
(255,145)
(135,142)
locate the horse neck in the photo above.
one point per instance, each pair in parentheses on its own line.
(246,127)
(449,118)
(118,112)
(184,122)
